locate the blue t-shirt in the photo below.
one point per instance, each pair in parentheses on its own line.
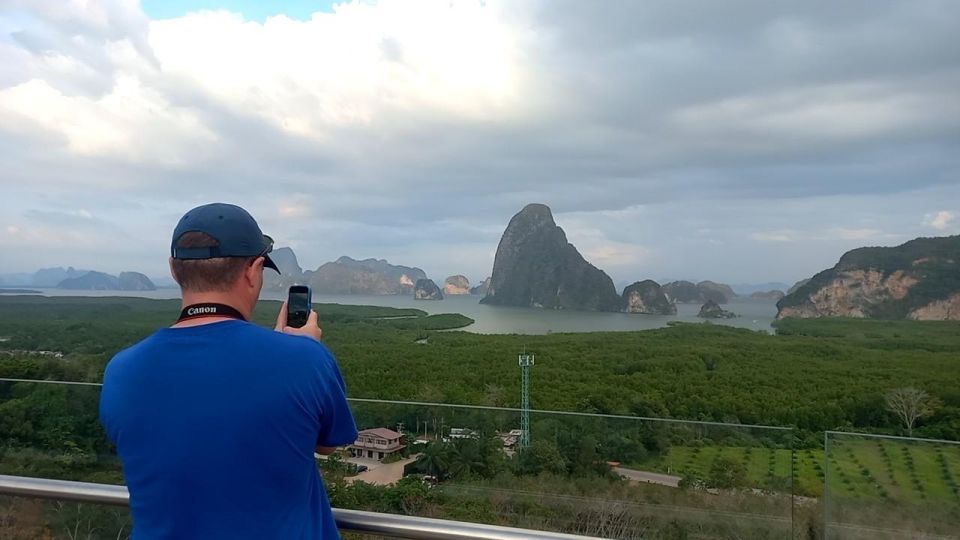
(216,426)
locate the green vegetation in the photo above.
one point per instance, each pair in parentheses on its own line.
(764,467)
(833,380)
(815,375)
(865,470)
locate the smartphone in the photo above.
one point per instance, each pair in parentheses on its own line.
(298,305)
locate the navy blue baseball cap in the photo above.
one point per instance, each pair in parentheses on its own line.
(235,230)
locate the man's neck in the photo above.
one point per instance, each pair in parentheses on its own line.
(226,298)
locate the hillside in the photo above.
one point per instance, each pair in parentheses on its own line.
(916,280)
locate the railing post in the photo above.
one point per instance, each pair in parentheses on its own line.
(826,484)
(793,487)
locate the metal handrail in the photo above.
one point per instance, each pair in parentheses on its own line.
(414,528)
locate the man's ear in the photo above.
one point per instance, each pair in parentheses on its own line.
(172,274)
(254,272)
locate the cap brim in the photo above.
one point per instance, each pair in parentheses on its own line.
(268,263)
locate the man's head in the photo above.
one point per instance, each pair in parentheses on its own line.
(219,248)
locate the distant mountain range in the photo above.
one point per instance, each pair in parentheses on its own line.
(744,290)
(342,276)
(368,276)
(71,278)
(45,277)
(686,292)
(747,289)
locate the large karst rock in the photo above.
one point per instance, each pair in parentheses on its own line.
(342,276)
(768,295)
(647,297)
(91,281)
(135,281)
(686,292)
(455,285)
(720,293)
(917,280)
(683,292)
(482,288)
(290,271)
(535,266)
(51,277)
(797,285)
(712,310)
(369,276)
(426,289)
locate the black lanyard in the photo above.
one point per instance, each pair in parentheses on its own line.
(195,311)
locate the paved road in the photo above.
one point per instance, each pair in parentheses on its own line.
(649,477)
(384,474)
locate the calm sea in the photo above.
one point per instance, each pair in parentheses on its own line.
(755,315)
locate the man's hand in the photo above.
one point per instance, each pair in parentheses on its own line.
(311,329)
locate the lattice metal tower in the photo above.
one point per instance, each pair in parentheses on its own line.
(526,362)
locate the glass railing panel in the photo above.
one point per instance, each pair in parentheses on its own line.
(53,431)
(890,487)
(23,518)
(594,475)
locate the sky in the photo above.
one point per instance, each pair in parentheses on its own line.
(738,141)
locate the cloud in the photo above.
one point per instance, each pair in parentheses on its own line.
(773,236)
(941,220)
(823,114)
(855,234)
(72,218)
(664,137)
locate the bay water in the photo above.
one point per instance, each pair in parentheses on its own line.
(754,314)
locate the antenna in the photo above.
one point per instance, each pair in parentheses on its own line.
(526,362)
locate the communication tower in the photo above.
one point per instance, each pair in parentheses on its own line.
(526,362)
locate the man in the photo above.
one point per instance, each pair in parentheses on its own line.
(215,419)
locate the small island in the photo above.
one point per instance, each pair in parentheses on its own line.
(455,285)
(712,310)
(647,297)
(19,291)
(426,289)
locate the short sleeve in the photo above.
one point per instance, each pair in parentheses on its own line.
(337,427)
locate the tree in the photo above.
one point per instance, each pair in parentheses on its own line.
(334,468)
(910,404)
(541,456)
(465,458)
(435,459)
(408,496)
(726,473)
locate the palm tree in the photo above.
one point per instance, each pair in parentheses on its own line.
(466,458)
(435,459)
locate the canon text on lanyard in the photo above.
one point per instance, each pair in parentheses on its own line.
(195,311)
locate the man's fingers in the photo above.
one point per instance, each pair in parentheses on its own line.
(313,321)
(282,318)
(310,329)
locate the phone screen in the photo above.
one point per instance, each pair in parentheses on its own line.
(298,306)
